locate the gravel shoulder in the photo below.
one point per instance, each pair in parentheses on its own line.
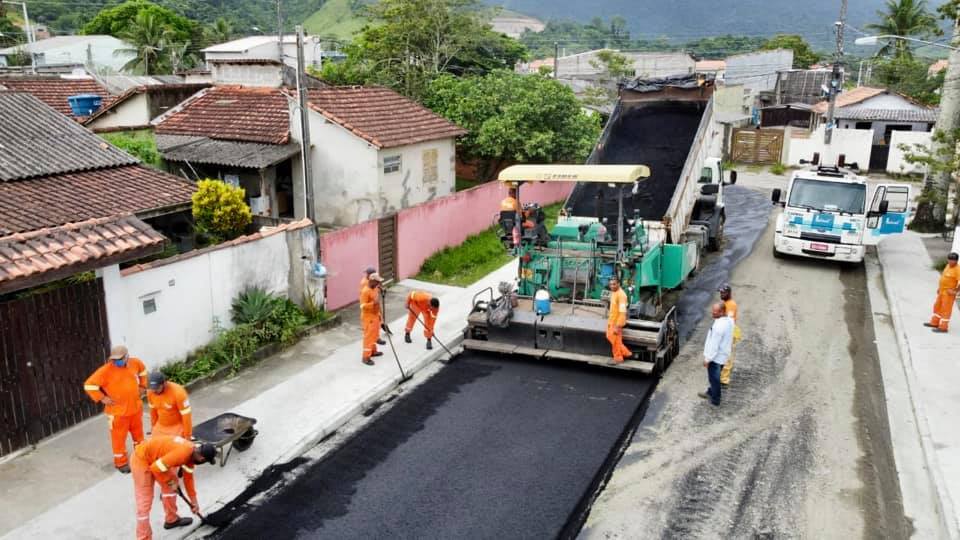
(799,448)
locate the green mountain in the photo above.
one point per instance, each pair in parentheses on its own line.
(338,19)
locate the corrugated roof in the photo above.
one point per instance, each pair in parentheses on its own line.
(220,152)
(35,141)
(381,116)
(54,91)
(894,115)
(51,253)
(244,44)
(54,200)
(232,113)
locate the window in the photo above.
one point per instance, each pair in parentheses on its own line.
(864,125)
(149,306)
(706,175)
(430,175)
(391,164)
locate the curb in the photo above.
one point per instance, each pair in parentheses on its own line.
(934,476)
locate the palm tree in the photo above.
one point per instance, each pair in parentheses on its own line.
(908,18)
(150,40)
(220,31)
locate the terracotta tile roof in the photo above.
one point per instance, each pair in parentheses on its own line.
(29,259)
(54,200)
(37,141)
(231,113)
(381,116)
(937,67)
(710,65)
(857,95)
(263,233)
(54,91)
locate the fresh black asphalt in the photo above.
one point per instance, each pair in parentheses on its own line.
(487,448)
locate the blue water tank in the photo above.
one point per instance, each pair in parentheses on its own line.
(541,302)
(84,104)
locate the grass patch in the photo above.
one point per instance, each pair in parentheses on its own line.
(335,19)
(476,257)
(778,168)
(141,144)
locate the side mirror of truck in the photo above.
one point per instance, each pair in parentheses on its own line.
(733,178)
(775,197)
(709,189)
(884,207)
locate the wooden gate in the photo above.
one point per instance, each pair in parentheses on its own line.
(49,344)
(752,145)
(387,242)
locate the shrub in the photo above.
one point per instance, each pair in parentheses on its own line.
(778,168)
(139,144)
(220,209)
(253,306)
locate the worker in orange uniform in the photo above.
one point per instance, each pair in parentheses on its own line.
(117,384)
(946,296)
(371,318)
(422,302)
(169,404)
(510,203)
(363,285)
(616,321)
(158,459)
(730,306)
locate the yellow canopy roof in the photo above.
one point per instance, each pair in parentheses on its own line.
(607,174)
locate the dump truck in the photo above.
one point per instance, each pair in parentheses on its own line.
(648,202)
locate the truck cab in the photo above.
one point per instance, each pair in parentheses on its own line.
(826,214)
(709,209)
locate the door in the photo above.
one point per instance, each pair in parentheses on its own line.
(895,220)
(387,247)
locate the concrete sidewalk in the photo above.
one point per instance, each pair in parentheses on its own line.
(929,380)
(293,413)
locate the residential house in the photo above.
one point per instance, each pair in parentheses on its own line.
(801,86)
(54,90)
(880,110)
(757,71)
(100,52)
(135,108)
(240,135)
(265,48)
(587,65)
(53,172)
(374,152)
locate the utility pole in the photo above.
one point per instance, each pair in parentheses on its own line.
(556,59)
(305,153)
(949,120)
(860,75)
(835,82)
(279,33)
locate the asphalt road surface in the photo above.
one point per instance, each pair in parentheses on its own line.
(800,446)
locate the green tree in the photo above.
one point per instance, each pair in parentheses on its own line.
(615,67)
(803,55)
(151,44)
(410,42)
(9,33)
(220,31)
(514,118)
(119,19)
(939,159)
(909,76)
(719,47)
(220,210)
(909,18)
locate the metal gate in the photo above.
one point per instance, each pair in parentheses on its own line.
(387,242)
(49,344)
(879,155)
(756,145)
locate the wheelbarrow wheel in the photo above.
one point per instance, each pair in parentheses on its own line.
(245,441)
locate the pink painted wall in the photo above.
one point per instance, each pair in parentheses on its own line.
(429,227)
(346,253)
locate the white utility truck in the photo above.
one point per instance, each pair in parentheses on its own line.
(826,214)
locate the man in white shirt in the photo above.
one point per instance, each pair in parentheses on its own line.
(716,351)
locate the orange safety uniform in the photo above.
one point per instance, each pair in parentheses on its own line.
(946,296)
(510,203)
(158,459)
(615,323)
(730,306)
(419,302)
(170,411)
(122,385)
(370,319)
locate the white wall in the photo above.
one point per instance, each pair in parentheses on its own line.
(897,163)
(855,144)
(268,75)
(194,293)
(757,71)
(888,101)
(407,187)
(134,112)
(880,128)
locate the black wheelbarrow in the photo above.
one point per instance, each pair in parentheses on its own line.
(226,432)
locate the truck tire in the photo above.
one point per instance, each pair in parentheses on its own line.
(777,254)
(717,240)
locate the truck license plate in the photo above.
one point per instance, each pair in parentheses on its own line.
(819,247)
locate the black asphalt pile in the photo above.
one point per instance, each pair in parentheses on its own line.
(658,135)
(488,447)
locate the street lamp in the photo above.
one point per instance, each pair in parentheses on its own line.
(874,40)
